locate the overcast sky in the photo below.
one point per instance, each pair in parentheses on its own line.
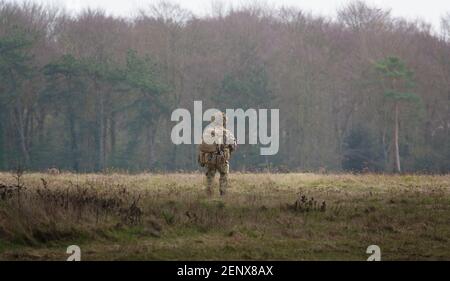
(428,10)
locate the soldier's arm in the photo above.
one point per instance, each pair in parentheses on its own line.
(233,147)
(230,138)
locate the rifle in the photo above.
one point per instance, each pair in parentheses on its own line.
(224,137)
(224,144)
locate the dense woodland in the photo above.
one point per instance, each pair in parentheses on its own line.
(90,92)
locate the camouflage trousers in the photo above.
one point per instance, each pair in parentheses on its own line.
(223,170)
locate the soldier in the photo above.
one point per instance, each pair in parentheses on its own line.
(215,151)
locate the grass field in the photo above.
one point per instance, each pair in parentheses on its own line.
(263,217)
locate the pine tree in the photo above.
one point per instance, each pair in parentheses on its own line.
(397,80)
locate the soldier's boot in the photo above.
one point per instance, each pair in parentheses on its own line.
(209,181)
(223,183)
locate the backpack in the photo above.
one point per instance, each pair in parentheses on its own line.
(214,154)
(210,154)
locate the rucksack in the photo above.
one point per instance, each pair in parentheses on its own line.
(211,154)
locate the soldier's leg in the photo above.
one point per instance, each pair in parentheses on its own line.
(223,169)
(210,173)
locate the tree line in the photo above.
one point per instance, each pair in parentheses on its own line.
(364,91)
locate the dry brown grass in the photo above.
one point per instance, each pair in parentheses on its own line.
(264,216)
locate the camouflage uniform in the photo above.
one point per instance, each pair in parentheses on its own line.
(218,161)
(223,169)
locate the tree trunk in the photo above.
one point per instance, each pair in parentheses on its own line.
(2,143)
(112,135)
(20,126)
(40,127)
(151,146)
(101,132)
(73,140)
(396,146)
